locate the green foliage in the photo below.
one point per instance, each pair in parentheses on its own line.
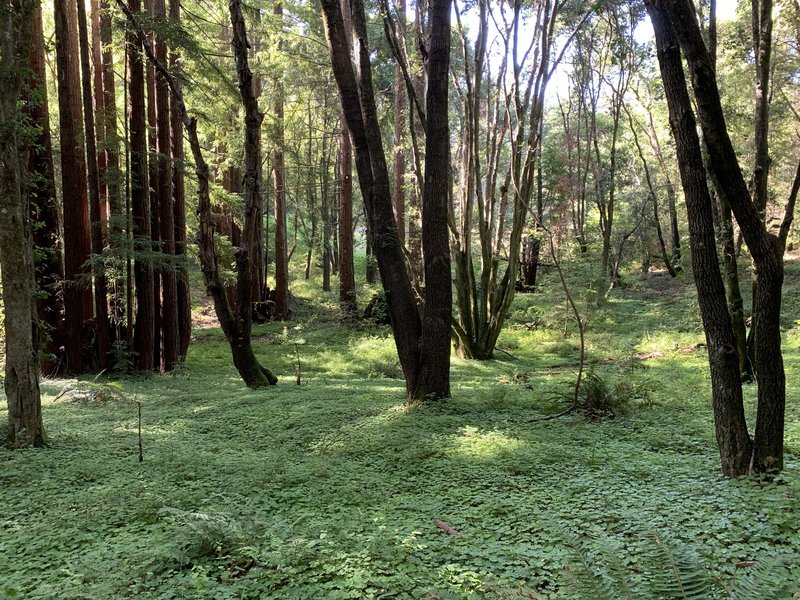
(662,568)
(330,489)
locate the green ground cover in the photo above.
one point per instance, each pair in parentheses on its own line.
(331,489)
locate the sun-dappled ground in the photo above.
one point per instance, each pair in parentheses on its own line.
(331,489)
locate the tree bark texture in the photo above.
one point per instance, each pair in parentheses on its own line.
(101,324)
(763,245)
(21,382)
(435,342)
(144,332)
(43,204)
(77,246)
(731,429)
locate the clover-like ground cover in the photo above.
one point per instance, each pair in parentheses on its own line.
(331,489)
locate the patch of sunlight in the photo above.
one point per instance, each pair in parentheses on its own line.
(471,441)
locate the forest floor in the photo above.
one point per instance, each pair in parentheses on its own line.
(331,489)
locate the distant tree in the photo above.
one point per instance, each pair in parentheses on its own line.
(281,234)
(96,217)
(16,254)
(184,302)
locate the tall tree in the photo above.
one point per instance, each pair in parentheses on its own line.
(731,429)
(101,325)
(400,126)
(437,316)
(235,323)
(768,439)
(41,189)
(183,302)
(21,381)
(144,333)
(77,247)
(347,273)
(424,376)
(281,236)
(166,217)
(112,176)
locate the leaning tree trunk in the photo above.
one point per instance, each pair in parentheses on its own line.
(358,104)
(235,326)
(763,246)
(731,429)
(21,382)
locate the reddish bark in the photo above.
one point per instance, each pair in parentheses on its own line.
(77,246)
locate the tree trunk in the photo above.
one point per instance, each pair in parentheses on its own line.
(347,273)
(236,327)
(144,332)
(102,337)
(327,217)
(435,342)
(112,177)
(170,352)
(184,302)
(21,382)
(763,246)
(731,429)
(400,125)
(281,241)
(77,246)
(44,208)
(358,104)
(347,277)
(530,263)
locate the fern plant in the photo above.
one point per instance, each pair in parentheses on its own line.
(664,570)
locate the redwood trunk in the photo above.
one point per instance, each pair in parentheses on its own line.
(179,205)
(44,208)
(112,178)
(101,325)
(77,245)
(281,241)
(140,201)
(169,318)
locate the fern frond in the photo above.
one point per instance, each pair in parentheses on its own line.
(768,578)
